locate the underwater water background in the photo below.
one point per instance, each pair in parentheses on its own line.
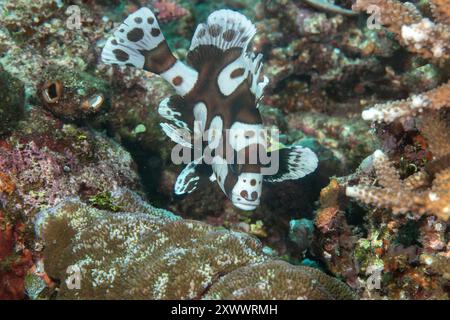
(87,203)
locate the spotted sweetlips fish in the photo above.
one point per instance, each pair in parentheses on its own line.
(218,93)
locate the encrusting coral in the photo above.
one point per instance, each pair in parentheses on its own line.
(148,253)
(417,33)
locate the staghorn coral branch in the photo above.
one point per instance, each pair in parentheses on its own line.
(393,14)
(419,35)
(387,175)
(441,10)
(434,99)
(418,180)
(437,132)
(401,196)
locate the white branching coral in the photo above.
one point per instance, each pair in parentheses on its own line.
(390,111)
(429,39)
(413,194)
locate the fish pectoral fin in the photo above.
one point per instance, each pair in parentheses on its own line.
(180,136)
(174,111)
(188,179)
(294,163)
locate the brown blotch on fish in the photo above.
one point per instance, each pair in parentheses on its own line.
(155,32)
(253,182)
(121,55)
(135,35)
(150,20)
(177,81)
(236,73)
(159,59)
(215,30)
(229,35)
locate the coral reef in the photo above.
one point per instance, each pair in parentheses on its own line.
(12,98)
(167,10)
(61,157)
(417,33)
(146,253)
(72,95)
(403,196)
(44,161)
(429,101)
(15,259)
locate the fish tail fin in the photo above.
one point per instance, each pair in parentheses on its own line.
(139,42)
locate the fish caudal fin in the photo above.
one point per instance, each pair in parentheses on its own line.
(294,163)
(224,29)
(139,42)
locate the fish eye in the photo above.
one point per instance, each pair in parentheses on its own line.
(52,91)
(236,168)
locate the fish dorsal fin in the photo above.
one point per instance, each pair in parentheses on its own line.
(228,33)
(294,163)
(224,29)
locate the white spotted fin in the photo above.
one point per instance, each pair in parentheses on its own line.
(139,42)
(294,163)
(139,32)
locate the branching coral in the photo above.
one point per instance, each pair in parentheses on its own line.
(441,10)
(152,254)
(412,194)
(431,100)
(418,34)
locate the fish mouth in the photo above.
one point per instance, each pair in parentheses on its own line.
(245,206)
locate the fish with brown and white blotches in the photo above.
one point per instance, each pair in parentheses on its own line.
(218,92)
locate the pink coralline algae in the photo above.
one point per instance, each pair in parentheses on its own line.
(46,161)
(168,10)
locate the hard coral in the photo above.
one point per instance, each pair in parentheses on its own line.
(148,254)
(418,34)
(403,196)
(434,99)
(278,280)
